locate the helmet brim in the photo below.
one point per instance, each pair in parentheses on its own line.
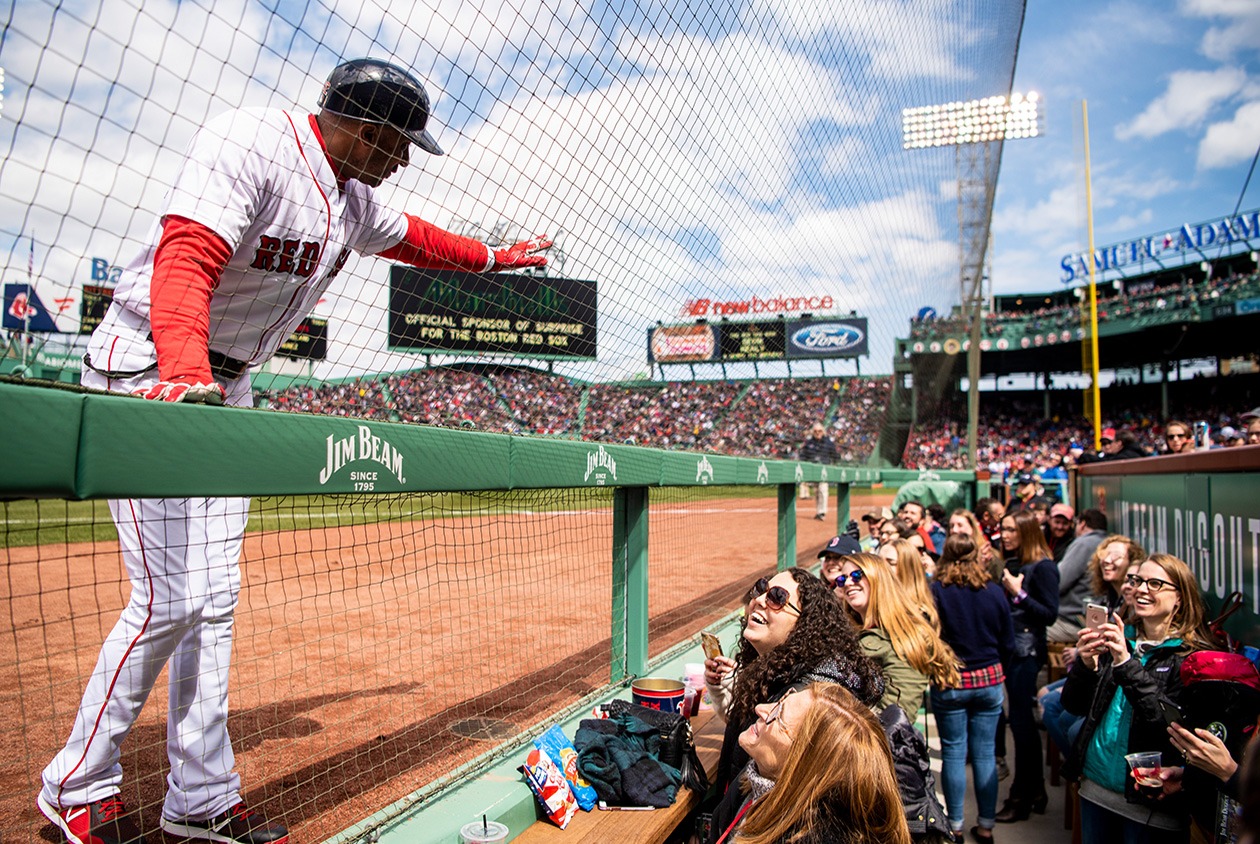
(423,140)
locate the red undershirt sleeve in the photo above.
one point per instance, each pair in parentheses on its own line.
(428,247)
(187,266)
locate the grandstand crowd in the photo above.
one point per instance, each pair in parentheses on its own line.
(761,418)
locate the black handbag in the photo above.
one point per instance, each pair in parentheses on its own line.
(678,748)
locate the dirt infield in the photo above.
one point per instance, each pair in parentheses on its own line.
(362,652)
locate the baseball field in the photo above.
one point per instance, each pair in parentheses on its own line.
(380,641)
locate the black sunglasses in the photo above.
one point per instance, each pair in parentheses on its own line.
(856,576)
(776,596)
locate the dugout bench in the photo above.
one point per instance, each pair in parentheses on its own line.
(657,825)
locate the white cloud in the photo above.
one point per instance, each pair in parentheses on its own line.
(1190,97)
(1240,32)
(1231,141)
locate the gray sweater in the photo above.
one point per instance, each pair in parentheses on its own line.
(1074,585)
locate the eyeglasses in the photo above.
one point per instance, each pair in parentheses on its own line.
(1154,584)
(1177,436)
(856,576)
(776,714)
(776,596)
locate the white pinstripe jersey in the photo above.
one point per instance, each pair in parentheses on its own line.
(260,179)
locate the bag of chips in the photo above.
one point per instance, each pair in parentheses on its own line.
(557,745)
(547,782)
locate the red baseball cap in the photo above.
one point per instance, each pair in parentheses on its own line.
(1108,434)
(1063,510)
(1219,665)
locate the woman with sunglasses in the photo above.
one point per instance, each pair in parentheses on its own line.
(893,632)
(976,623)
(793,790)
(794,632)
(1031,580)
(1128,691)
(906,560)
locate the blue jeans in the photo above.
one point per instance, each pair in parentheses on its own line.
(1062,726)
(967,721)
(1103,826)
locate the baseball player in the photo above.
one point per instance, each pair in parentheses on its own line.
(263,213)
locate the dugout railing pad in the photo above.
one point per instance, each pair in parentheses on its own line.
(92,445)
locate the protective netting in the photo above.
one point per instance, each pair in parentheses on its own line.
(380,641)
(740,156)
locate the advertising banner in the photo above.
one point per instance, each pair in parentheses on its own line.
(682,344)
(309,341)
(506,314)
(23,311)
(752,340)
(827,338)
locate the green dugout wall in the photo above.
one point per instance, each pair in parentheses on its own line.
(1203,508)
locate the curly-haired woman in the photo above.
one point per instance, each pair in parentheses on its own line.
(893,632)
(794,632)
(1108,566)
(793,790)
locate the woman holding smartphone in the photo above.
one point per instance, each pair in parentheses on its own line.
(1128,691)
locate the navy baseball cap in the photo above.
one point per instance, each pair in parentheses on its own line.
(1025,479)
(841,545)
(376,91)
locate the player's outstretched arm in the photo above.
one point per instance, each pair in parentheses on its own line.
(186,269)
(428,247)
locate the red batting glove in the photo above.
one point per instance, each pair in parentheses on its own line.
(520,255)
(183,390)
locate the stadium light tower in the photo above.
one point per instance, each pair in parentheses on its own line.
(976,130)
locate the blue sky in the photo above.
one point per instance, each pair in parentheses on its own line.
(1173,90)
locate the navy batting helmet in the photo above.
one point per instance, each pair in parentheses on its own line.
(376,91)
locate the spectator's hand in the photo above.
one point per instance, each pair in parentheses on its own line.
(1012,582)
(1069,657)
(1171,775)
(1204,751)
(1111,636)
(521,254)
(1089,643)
(716,668)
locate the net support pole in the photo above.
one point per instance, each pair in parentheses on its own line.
(842,507)
(787,526)
(629,583)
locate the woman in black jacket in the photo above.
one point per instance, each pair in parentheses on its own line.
(1128,692)
(1031,581)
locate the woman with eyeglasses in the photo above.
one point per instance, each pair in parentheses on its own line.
(906,559)
(1031,581)
(792,790)
(976,624)
(893,632)
(794,632)
(1128,691)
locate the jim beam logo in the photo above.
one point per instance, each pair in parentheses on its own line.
(601,465)
(824,474)
(361,446)
(704,471)
(800,473)
(763,473)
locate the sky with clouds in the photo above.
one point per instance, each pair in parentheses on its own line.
(684,150)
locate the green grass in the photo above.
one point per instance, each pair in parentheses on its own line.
(54,521)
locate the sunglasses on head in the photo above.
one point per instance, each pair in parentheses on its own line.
(776,596)
(856,576)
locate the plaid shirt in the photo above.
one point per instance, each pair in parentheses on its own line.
(982,678)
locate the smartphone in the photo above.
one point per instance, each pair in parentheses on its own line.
(1095,615)
(711,644)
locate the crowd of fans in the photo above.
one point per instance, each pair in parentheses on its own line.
(761,418)
(1134,302)
(1013,435)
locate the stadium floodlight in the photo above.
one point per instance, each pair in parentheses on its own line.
(972,122)
(973,128)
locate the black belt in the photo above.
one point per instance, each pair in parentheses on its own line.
(222,366)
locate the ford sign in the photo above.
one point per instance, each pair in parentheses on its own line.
(833,338)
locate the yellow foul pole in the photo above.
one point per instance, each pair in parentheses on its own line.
(1094,396)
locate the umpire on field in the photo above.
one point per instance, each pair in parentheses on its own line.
(818,448)
(264,211)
